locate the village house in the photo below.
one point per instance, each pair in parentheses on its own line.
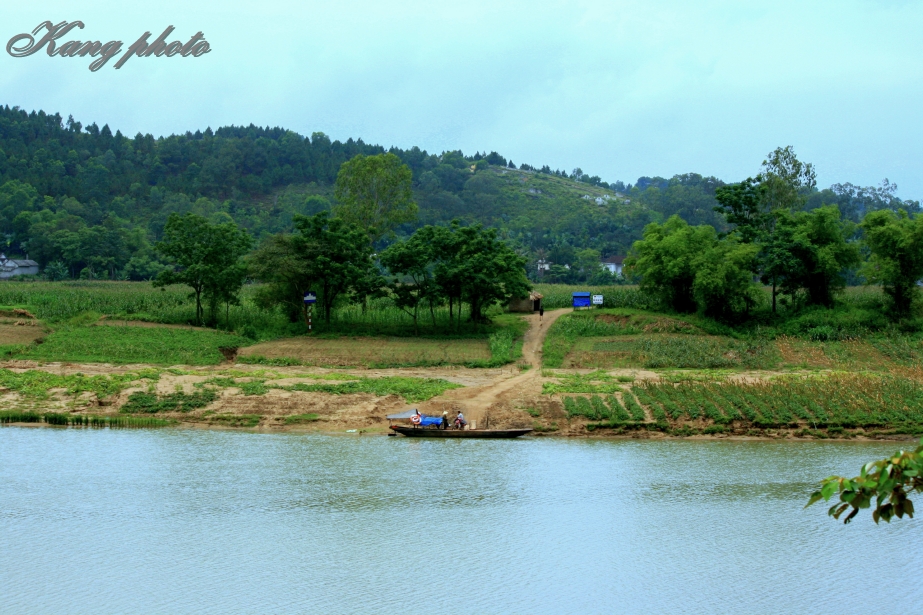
(10,267)
(613,264)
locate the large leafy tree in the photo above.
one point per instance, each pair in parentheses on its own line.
(896,244)
(486,270)
(756,205)
(666,259)
(328,255)
(414,262)
(374,192)
(816,253)
(723,284)
(206,258)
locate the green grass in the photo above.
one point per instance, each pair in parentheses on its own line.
(295,419)
(235,420)
(411,389)
(150,403)
(628,338)
(81,420)
(135,345)
(36,384)
(595,382)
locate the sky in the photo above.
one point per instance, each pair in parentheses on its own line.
(620,89)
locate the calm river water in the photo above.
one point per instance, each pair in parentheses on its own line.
(182,521)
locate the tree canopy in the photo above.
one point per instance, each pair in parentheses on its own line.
(207,258)
(374,192)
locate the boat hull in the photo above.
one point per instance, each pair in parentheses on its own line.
(418,432)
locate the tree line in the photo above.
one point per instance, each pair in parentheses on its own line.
(803,255)
(331,254)
(87,201)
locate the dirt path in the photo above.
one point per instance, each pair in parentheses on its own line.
(493,404)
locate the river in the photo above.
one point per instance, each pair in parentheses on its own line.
(187,521)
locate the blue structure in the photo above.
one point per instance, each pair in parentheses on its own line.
(581,300)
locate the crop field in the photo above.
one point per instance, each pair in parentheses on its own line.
(679,351)
(845,400)
(832,403)
(561,296)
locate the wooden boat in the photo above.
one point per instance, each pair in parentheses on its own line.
(423,432)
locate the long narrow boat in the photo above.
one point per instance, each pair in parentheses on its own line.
(422,432)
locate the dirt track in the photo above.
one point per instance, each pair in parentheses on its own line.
(493,404)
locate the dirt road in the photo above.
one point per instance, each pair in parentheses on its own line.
(494,404)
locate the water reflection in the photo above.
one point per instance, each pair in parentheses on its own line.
(226,522)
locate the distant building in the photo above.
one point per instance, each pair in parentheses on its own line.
(10,267)
(543,266)
(613,264)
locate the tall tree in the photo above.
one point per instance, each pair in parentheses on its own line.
(206,257)
(414,260)
(666,260)
(375,193)
(896,244)
(328,255)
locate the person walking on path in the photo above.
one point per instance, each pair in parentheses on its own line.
(541,313)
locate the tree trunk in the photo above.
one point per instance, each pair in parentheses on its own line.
(773,294)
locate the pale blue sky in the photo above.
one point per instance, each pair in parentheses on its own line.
(620,89)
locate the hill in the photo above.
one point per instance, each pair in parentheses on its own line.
(93,201)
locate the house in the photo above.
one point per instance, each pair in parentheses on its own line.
(532,303)
(543,266)
(10,267)
(613,264)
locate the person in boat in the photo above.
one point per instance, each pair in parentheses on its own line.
(445,420)
(460,421)
(417,418)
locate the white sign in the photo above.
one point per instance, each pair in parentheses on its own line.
(310,297)
(597,299)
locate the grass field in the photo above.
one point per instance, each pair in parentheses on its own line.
(127,322)
(364,351)
(163,346)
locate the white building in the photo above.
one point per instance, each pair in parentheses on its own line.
(613,264)
(10,267)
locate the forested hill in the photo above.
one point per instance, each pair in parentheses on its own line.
(97,201)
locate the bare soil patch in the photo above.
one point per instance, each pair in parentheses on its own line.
(11,334)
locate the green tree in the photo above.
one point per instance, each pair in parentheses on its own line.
(889,482)
(896,245)
(206,256)
(327,255)
(666,260)
(374,192)
(283,263)
(414,260)
(487,270)
(820,253)
(723,284)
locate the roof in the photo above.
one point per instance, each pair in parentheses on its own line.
(615,260)
(581,294)
(26,263)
